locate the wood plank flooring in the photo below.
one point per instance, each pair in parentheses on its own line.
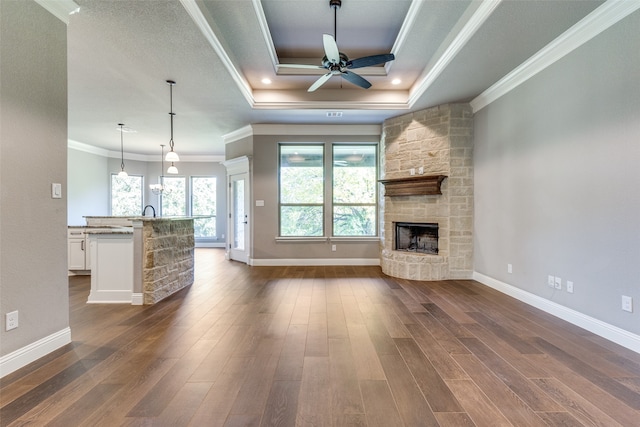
(322,346)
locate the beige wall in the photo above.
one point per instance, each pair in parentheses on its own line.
(33,154)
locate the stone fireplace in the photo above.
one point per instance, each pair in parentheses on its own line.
(437,142)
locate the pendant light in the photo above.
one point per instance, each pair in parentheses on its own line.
(159,188)
(122,173)
(172,156)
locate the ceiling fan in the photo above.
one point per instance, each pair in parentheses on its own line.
(337,63)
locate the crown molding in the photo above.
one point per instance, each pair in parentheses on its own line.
(589,27)
(405,29)
(236,135)
(472,25)
(61,9)
(294,129)
(81,146)
(266,34)
(199,19)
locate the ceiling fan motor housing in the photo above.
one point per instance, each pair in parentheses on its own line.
(330,65)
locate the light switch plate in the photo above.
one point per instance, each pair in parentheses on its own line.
(558,283)
(56,190)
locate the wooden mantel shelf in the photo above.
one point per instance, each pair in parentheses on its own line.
(423,185)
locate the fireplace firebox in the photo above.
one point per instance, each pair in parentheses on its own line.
(417,237)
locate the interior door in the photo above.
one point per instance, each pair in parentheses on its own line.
(239,230)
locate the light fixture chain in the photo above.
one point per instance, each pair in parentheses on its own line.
(171,114)
(121,147)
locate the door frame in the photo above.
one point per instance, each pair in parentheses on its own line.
(235,167)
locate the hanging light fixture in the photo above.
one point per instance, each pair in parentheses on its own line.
(159,188)
(172,156)
(122,173)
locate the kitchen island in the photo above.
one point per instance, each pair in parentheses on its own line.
(161,255)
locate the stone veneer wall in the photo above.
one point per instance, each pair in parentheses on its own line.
(439,139)
(168,257)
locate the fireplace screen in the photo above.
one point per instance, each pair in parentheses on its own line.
(417,237)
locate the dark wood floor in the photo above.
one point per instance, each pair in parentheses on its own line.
(321,346)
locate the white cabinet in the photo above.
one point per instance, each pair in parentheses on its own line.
(78,250)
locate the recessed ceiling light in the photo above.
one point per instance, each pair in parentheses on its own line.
(396,81)
(266,81)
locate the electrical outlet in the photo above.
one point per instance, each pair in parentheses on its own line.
(421,170)
(11,320)
(509,268)
(333,248)
(627,303)
(551,281)
(569,286)
(558,283)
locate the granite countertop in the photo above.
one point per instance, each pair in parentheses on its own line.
(152,218)
(94,226)
(110,230)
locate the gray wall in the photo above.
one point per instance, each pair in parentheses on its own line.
(33,154)
(557,179)
(87,189)
(265,187)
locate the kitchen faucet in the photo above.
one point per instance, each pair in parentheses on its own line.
(152,208)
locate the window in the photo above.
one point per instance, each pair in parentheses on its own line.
(350,202)
(354,190)
(203,202)
(126,195)
(301,190)
(174,196)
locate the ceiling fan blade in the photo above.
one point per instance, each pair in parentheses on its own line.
(303,66)
(356,79)
(319,82)
(368,61)
(331,49)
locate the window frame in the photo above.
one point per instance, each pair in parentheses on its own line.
(328,204)
(375,203)
(322,145)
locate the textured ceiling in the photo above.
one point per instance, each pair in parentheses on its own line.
(122,52)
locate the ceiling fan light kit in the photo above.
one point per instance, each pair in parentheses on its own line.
(337,63)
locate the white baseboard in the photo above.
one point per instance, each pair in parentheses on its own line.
(598,327)
(34,351)
(310,262)
(110,297)
(209,244)
(137,299)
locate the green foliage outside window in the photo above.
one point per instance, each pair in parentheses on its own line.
(174,196)
(203,202)
(302,190)
(126,195)
(354,191)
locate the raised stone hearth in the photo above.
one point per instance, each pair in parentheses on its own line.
(439,140)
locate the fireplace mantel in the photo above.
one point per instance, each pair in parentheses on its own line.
(423,185)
